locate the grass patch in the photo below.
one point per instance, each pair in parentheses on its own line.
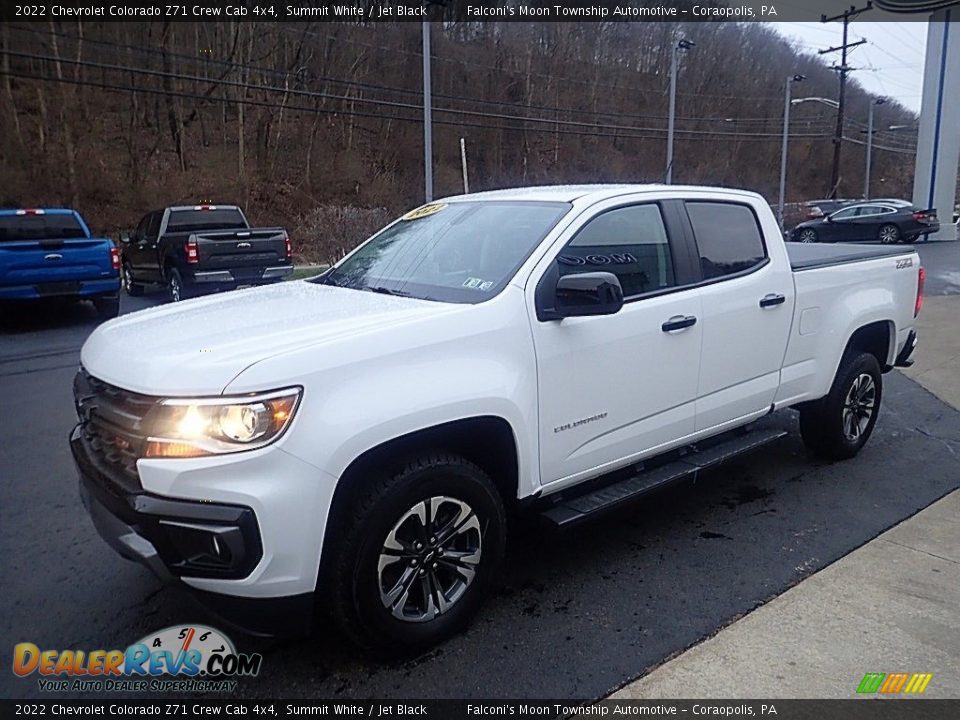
(304,271)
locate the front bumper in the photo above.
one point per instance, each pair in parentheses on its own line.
(185,540)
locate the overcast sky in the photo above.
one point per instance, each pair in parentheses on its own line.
(890,64)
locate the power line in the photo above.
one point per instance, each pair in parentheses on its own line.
(201,62)
(901,151)
(376,116)
(552,122)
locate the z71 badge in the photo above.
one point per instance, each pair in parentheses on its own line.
(904,263)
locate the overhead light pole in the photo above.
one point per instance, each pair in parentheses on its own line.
(866,177)
(783,150)
(682,44)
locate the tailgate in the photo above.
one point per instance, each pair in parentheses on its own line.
(238,249)
(33,262)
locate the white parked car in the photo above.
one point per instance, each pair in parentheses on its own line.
(358,438)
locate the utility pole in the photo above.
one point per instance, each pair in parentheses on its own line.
(843,69)
(427,117)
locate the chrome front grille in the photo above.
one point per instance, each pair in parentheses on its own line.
(112,426)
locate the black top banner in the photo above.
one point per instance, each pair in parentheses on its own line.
(863,709)
(372,11)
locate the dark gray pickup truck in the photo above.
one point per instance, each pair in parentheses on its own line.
(197,249)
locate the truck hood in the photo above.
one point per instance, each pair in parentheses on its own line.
(197,347)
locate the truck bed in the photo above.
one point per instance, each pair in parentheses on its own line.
(805,256)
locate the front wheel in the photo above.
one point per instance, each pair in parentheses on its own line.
(416,554)
(807,235)
(888,234)
(838,425)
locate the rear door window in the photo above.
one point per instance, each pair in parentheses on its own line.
(630,242)
(728,237)
(39,227)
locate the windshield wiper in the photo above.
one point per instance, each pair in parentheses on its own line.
(385,290)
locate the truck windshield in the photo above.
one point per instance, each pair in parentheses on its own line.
(39,227)
(206,219)
(463,252)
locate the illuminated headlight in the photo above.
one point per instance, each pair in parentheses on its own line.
(196,427)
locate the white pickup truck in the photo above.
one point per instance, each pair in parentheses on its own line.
(357,438)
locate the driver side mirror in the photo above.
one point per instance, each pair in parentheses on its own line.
(586,294)
(125,237)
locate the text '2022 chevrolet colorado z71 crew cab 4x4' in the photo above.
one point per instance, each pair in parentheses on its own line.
(357,438)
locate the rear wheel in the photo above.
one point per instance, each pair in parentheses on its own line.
(175,289)
(132,288)
(838,425)
(807,235)
(108,306)
(412,561)
(888,234)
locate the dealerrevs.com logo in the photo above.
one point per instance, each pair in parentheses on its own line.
(181,658)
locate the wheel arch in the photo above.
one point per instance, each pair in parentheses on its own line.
(488,441)
(877,338)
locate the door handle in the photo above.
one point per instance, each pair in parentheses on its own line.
(678,322)
(772,300)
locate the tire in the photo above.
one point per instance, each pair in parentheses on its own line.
(108,306)
(365,587)
(888,234)
(807,235)
(826,425)
(126,278)
(176,291)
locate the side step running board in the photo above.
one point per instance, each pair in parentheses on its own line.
(581,507)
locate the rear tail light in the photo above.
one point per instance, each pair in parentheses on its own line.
(921,278)
(114,258)
(193,252)
(289,247)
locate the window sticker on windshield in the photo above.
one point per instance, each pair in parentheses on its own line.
(424,211)
(486,285)
(477,283)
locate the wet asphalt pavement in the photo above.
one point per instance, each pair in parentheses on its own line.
(575,615)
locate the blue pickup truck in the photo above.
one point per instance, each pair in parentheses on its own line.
(51,253)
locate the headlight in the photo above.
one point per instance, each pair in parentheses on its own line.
(195,427)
